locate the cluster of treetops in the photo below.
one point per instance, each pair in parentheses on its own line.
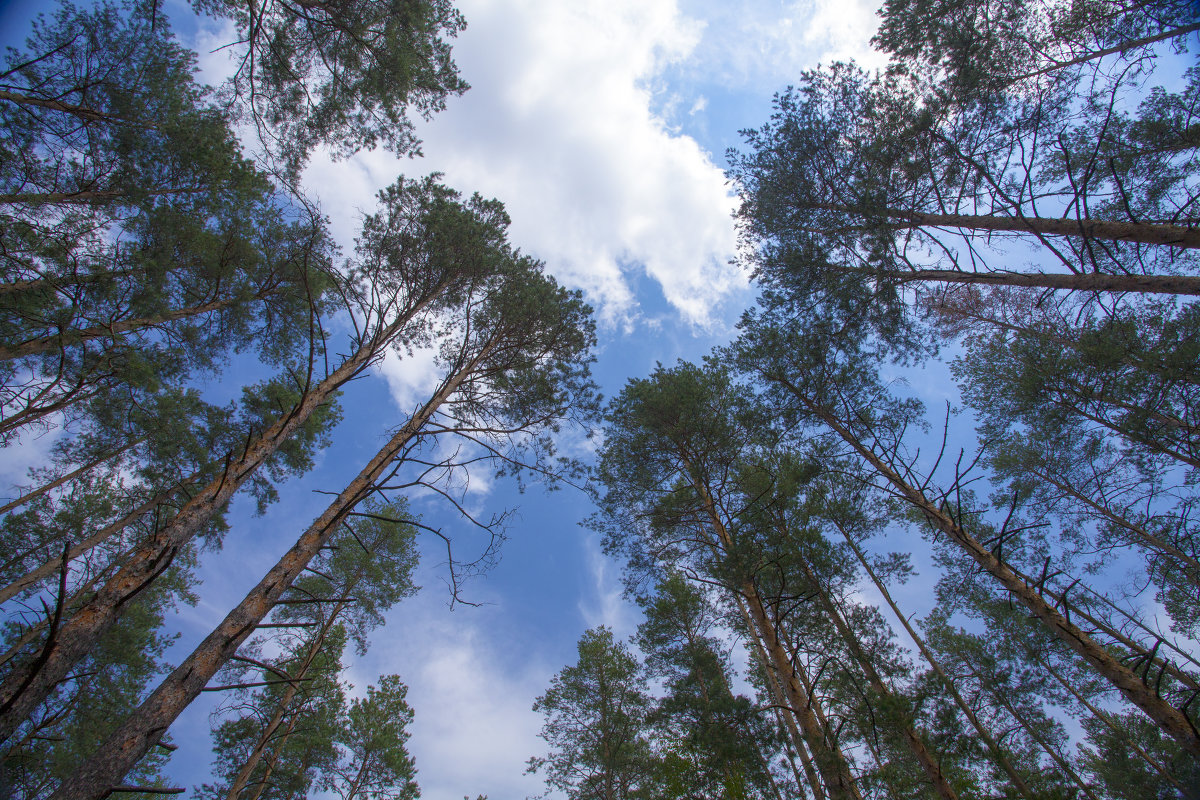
(1008,216)
(1018,188)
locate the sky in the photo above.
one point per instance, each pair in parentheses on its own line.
(602,125)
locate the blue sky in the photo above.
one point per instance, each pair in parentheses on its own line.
(602,125)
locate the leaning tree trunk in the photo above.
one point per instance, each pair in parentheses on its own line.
(52,566)
(1048,748)
(1157,233)
(929,763)
(50,486)
(1172,720)
(94,779)
(786,718)
(25,689)
(74,336)
(997,752)
(830,762)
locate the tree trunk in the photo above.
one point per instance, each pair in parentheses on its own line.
(1173,33)
(142,730)
(830,762)
(997,752)
(244,774)
(1066,281)
(1047,747)
(83,113)
(25,689)
(929,763)
(788,719)
(53,565)
(1173,721)
(1156,233)
(70,476)
(69,337)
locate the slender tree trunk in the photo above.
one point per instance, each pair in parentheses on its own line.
(1105,720)
(76,336)
(929,763)
(830,762)
(828,758)
(85,196)
(1173,33)
(786,719)
(51,566)
(1171,719)
(358,778)
(70,476)
(242,779)
(998,753)
(1065,281)
(1047,747)
(1140,535)
(1156,233)
(25,689)
(83,113)
(142,730)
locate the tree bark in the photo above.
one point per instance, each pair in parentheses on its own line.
(1156,233)
(27,686)
(142,730)
(830,762)
(86,114)
(51,566)
(1172,720)
(1173,33)
(787,719)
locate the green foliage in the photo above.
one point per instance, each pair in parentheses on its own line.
(344,75)
(373,762)
(595,715)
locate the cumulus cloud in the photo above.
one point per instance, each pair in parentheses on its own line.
(559,125)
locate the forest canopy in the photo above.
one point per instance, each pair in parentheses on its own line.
(844,592)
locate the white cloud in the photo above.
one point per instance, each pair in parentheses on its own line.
(558,124)
(602,602)
(411,377)
(757,47)
(472,695)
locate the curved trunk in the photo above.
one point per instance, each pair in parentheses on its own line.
(830,762)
